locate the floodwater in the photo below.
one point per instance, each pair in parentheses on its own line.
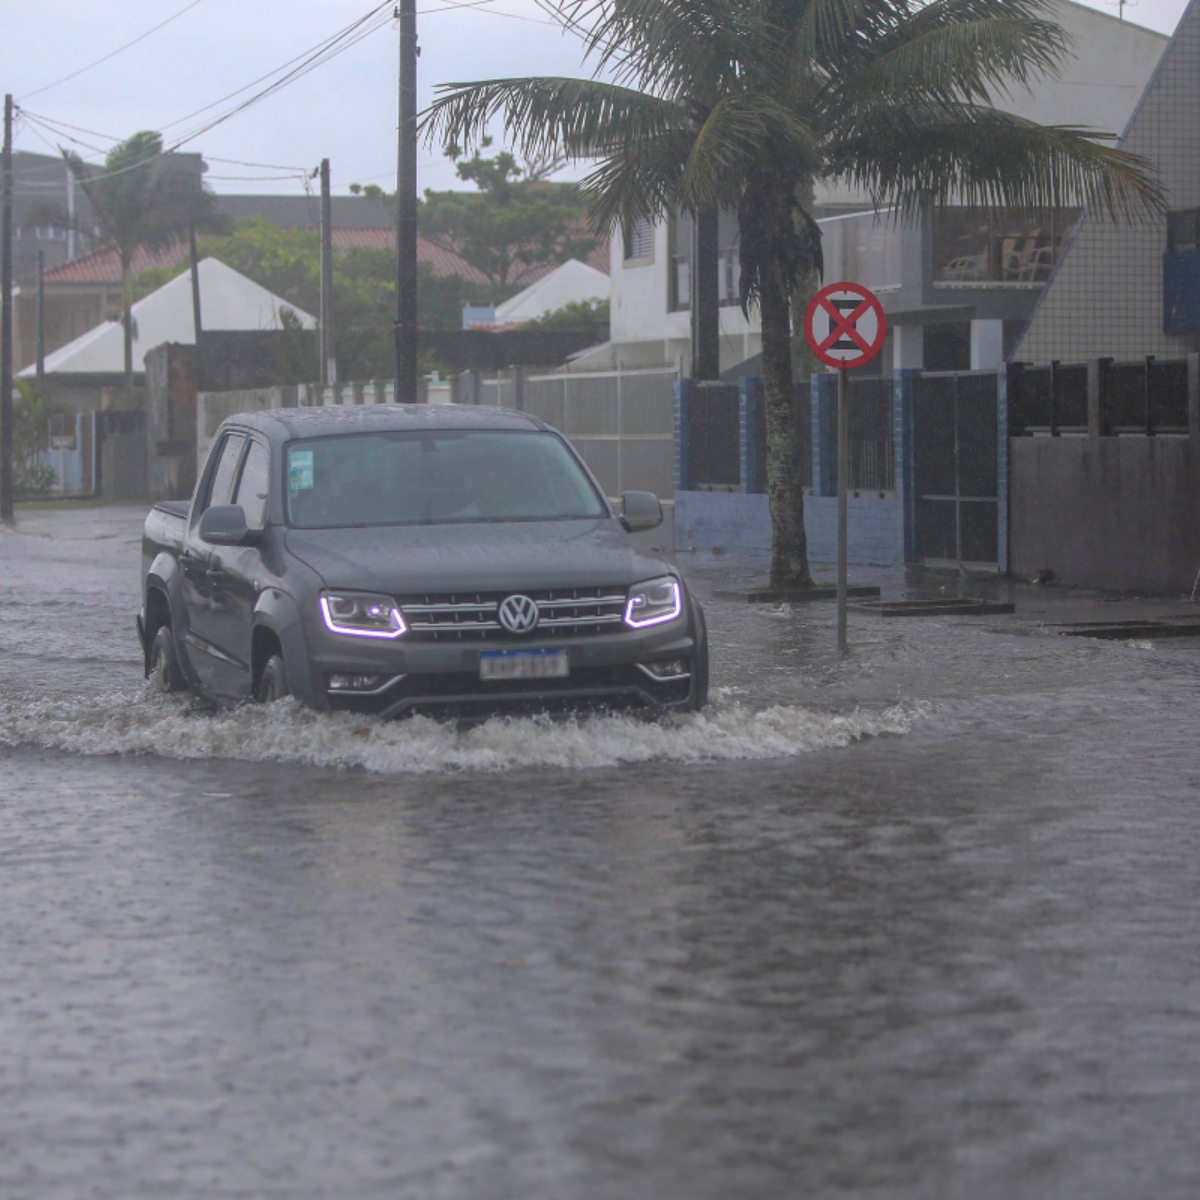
(920,922)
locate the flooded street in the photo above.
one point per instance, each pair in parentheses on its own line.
(917,923)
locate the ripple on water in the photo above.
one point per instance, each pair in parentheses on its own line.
(140,722)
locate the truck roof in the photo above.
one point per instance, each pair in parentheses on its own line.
(289,423)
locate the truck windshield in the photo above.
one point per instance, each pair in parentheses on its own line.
(442,476)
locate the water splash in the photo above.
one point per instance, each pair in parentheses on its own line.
(143,723)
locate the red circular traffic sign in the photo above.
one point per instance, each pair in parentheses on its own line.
(845,325)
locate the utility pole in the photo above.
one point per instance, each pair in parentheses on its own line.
(41,321)
(328,359)
(6,322)
(706,318)
(405,331)
(197,324)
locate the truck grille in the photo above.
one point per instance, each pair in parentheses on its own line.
(472,616)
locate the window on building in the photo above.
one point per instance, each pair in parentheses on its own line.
(729,269)
(970,247)
(639,239)
(1183,229)
(1181,272)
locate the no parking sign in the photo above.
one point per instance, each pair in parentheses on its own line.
(845,325)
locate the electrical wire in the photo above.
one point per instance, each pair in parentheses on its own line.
(112,53)
(333,38)
(326,53)
(313,58)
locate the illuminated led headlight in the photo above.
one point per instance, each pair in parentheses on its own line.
(360,614)
(653,602)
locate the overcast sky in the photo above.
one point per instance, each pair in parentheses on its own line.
(344,110)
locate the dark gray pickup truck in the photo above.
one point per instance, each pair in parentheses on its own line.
(399,558)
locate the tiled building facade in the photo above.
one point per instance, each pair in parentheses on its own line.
(1106,297)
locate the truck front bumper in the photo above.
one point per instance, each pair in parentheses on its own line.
(656,670)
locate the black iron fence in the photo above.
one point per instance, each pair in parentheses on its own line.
(802,447)
(1147,396)
(713,443)
(869,416)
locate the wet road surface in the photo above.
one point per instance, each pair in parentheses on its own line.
(916,923)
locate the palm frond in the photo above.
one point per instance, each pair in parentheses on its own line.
(736,136)
(578,118)
(929,157)
(669,47)
(969,61)
(635,182)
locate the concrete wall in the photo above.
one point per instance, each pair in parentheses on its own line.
(740,522)
(1120,512)
(123,468)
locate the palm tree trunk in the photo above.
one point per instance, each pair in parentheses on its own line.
(789,543)
(127,322)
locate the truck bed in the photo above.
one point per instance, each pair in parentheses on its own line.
(164,527)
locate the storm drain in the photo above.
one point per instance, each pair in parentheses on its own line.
(1118,631)
(956,607)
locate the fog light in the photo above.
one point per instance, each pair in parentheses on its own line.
(355,683)
(673,668)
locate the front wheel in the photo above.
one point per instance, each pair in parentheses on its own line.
(273,684)
(165,673)
(699,660)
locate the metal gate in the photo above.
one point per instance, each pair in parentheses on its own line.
(955,467)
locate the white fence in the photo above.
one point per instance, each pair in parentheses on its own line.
(621,422)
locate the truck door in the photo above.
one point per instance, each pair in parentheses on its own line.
(235,573)
(203,593)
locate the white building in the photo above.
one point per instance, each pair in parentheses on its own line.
(956,291)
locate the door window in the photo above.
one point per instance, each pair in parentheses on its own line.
(253,485)
(221,489)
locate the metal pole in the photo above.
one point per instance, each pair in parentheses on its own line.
(328,359)
(6,321)
(405,332)
(197,325)
(41,321)
(843,484)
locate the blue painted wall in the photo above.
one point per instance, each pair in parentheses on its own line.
(741,521)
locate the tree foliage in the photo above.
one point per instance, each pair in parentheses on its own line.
(511,225)
(578,314)
(142,198)
(288,263)
(749,104)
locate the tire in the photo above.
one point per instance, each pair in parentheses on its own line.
(166,675)
(273,683)
(699,696)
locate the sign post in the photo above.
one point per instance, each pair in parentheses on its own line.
(845,327)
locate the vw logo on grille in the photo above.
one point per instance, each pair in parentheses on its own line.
(518,614)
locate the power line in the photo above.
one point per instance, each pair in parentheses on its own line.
(326,42)
(313,58)
(112,53)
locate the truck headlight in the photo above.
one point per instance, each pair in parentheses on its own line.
(653,602)
(361,614)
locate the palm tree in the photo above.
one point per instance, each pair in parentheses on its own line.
(750,104)
(142,197)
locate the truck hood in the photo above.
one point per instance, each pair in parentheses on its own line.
(474,557)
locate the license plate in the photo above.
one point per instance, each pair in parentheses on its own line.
(523,664)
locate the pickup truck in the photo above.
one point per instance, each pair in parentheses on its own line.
(390,559)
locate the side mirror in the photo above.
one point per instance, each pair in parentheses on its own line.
(640,511)
(225,525)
